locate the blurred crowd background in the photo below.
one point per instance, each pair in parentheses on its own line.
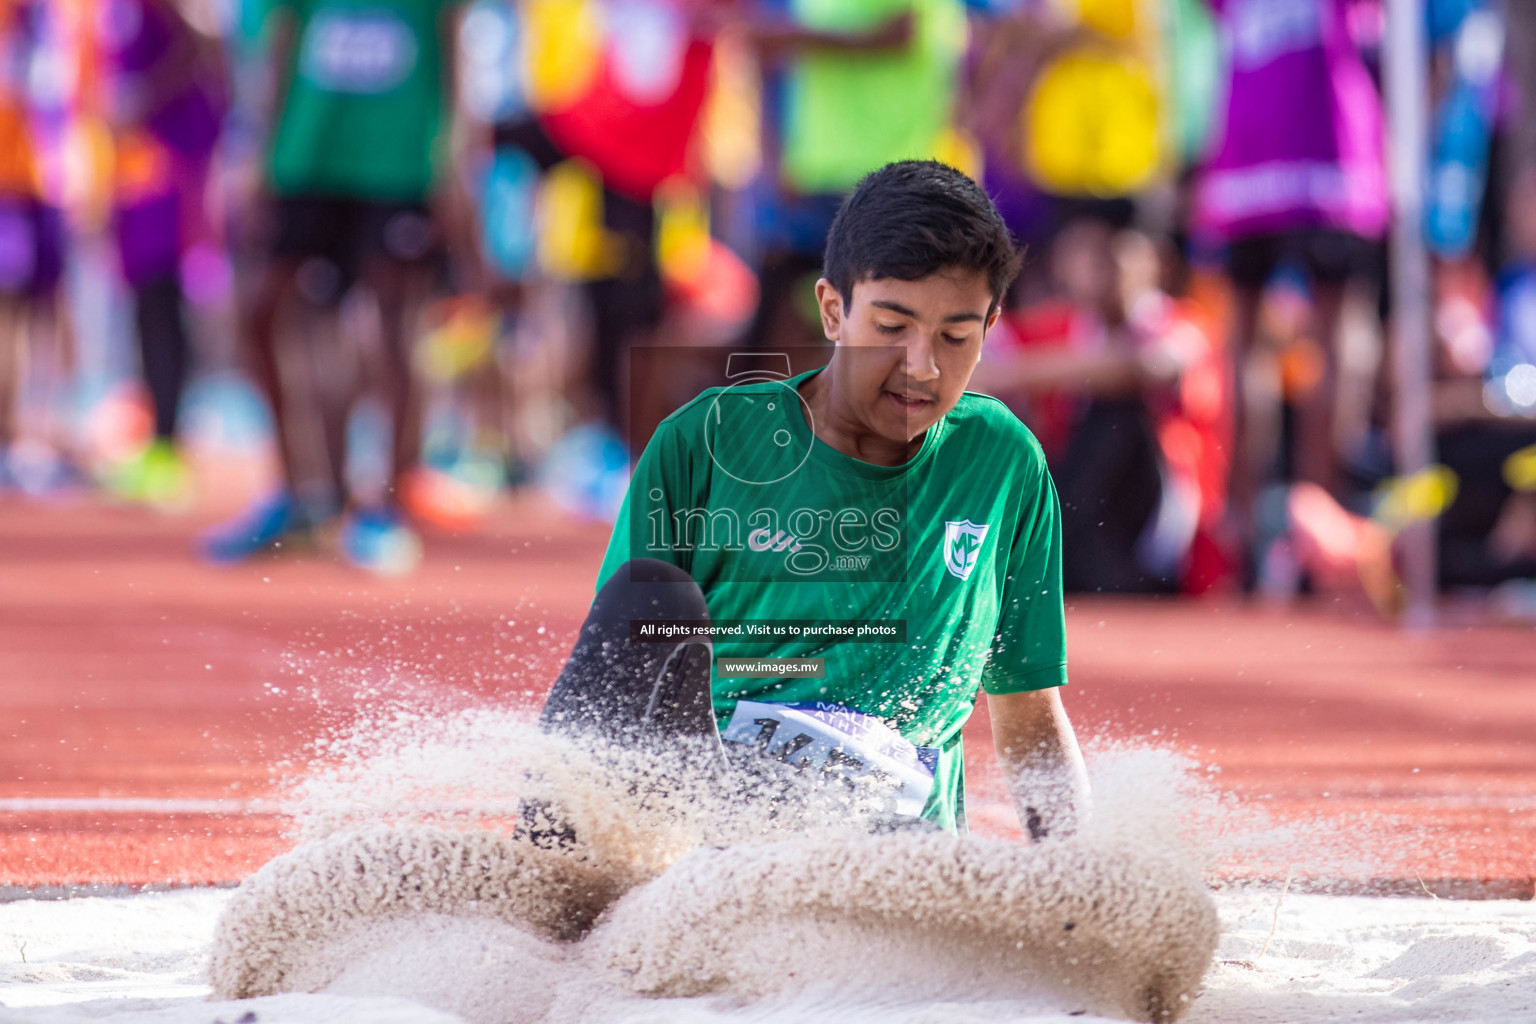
(395,254)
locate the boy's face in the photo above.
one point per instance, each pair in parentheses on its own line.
(908,348)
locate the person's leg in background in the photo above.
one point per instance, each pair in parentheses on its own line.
(1334,260)
(149,226)
(1316,457)
(13,340)
(400,278)
(164,349)
(37,352)
(290,317)
(18,247)
(587,470)
(1255,440)
(1109,487)
(399,241)
(295,333)
(627,306)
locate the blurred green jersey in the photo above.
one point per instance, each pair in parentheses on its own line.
(849,113)
(364,100)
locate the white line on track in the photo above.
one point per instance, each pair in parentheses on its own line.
(131,805)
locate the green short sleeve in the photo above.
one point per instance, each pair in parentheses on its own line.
(660,486)
(1029,649)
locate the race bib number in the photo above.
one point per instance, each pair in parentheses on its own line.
(838,743)
(364,52)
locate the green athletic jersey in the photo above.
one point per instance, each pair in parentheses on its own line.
(962,543)
(364,100)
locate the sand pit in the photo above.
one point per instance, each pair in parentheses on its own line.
(409,899)
(143,960)
(279,930)
(669,896)
(928,916)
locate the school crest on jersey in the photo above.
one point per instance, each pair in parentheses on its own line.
(962,543)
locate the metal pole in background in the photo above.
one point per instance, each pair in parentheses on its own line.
(1406,60)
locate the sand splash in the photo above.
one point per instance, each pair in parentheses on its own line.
(409,882)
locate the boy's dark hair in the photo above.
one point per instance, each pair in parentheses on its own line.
(914,218)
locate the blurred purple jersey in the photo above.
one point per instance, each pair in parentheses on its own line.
(158,212)
(1300,142)
(139,39)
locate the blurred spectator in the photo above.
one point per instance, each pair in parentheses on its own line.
(1123,384)
(1006,56)
(617,89)
(33,323)
(1485,418)
(849,85)
(633,123)
(1297,177)
(166,92)
(358,196)
(465,357)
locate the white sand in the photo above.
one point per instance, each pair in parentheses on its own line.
(407,901)
(138,960)
(748,898)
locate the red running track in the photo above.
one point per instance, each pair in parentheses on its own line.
(149,704)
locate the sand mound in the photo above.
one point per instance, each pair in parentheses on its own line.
(687,884)
(479,969)
(267,938)
(922,914)
(1129,934)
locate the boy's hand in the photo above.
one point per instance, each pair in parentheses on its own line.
(1039,757)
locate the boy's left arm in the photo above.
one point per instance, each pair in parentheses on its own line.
(1027,666)
(1040,759)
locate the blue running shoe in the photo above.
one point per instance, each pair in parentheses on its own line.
(379,541)
(260,528)
(587,472)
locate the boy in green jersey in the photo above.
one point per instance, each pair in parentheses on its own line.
(872,515)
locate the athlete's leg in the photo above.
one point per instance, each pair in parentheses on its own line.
(1334,260)
(399,289)
(1316,449)
(163,348)
(1255,435)
(629,692)
(627,306)
(291,282)
(1110,486)
(13,340)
